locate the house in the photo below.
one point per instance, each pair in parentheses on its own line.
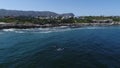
(102,21)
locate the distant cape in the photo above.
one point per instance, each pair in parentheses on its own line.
(4,12)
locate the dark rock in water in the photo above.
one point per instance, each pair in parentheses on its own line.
(20,26)
(70,25)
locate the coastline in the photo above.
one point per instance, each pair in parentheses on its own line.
(71,25)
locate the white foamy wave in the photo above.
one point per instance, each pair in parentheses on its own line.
(50,30)
(39,30)
(44,32)
(62,30)
(44,29)
(61,27)
(92,28)
(8,30)
(19,32)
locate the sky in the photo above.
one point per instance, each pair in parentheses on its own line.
(78,7)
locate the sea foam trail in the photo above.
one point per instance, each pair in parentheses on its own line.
(8,30)
(92,28)
(38,30)
(48,30)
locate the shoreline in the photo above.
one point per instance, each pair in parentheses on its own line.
(71,25)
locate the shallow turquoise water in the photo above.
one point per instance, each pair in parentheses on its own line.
(88,47)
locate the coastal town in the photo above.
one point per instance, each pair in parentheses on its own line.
(50,19)
(31,22)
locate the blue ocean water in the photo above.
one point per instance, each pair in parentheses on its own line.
(87,47)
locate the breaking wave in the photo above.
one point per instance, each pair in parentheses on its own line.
(49,30)
(38,30)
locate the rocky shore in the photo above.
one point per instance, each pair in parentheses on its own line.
(72,25)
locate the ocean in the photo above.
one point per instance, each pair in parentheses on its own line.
(60,47)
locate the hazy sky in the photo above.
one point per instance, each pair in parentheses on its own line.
(78,7)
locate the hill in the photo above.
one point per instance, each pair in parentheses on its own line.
(4,12)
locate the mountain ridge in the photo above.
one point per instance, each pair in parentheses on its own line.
(5,12)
